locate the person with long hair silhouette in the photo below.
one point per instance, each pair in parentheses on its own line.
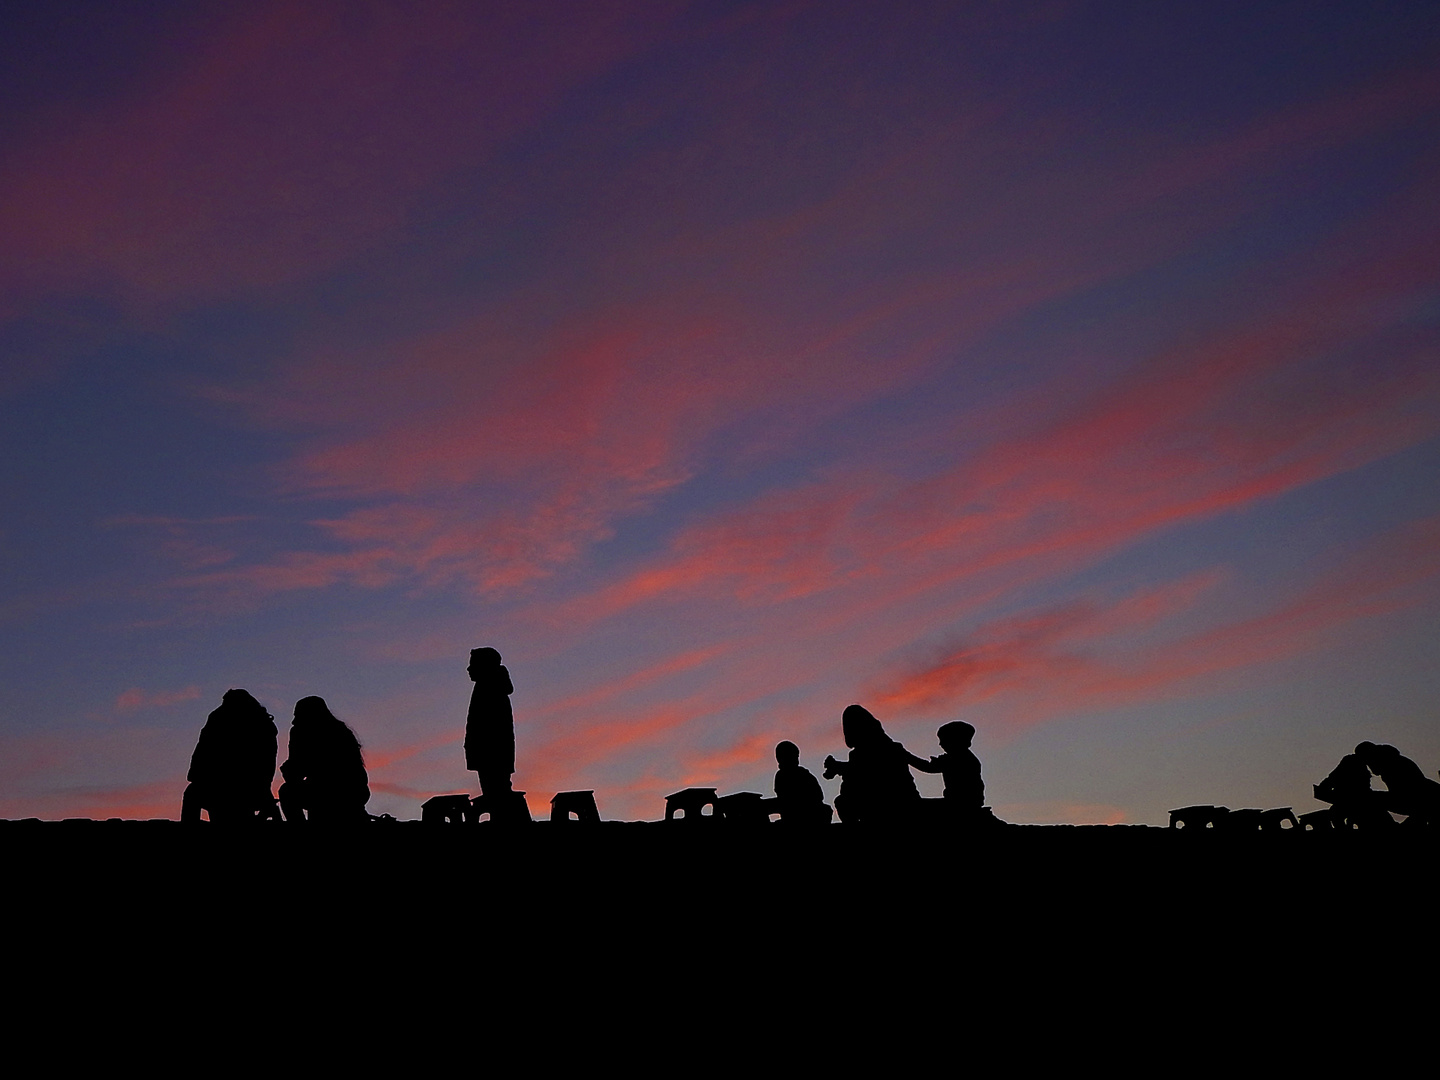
(233,764)
(875,785)
(325,775)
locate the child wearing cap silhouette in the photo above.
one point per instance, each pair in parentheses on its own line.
(964,788)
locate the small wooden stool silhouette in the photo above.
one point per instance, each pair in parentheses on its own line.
(580,803)
(1198,817)
(443,808)
(1274,820)
(1320,820)
(1242,821)
(503,809)
(743,808)
(689,803)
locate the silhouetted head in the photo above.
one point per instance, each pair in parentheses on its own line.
(860,726)
(1376,755)
(956,735)
(313,708)
(483,659)
(317,717)
(787,754)
(241,703)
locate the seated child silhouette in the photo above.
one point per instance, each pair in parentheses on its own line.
(964,788)
(798,796)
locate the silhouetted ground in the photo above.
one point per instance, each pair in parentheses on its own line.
(838,927)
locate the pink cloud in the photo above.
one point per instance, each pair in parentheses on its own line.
(714,767)
(379,760)
(160,799)
(151,799)
(1061,660)
(280,141)
(1203,430)
(1391,100)
(645,678)
(135,699)
(495,457)
(580,742)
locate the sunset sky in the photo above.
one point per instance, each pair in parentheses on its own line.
(1071,369)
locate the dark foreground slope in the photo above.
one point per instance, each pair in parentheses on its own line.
(543,887)
(847,929)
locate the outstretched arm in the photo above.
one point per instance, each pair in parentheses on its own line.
(917,762)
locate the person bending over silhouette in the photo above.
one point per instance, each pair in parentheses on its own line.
(876,785)
(325,774)
(1410,792)
(1354,802)
(964,788)
(233,763)
(798,795)
(490,725)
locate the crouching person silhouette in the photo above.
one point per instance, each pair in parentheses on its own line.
(876,785)
(1354,803)
(1409,791)
(233,764)
(798,796)
(325,777)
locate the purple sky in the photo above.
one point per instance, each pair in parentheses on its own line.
(1070,369)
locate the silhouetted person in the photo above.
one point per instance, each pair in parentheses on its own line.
(1410,792)
(876,784)
(325,773)
(1348,790)
(798,795)
(233,763)
(964,788)
(490,725)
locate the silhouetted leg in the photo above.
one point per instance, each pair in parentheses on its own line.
(190,804)
(494,785)
(292,800)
